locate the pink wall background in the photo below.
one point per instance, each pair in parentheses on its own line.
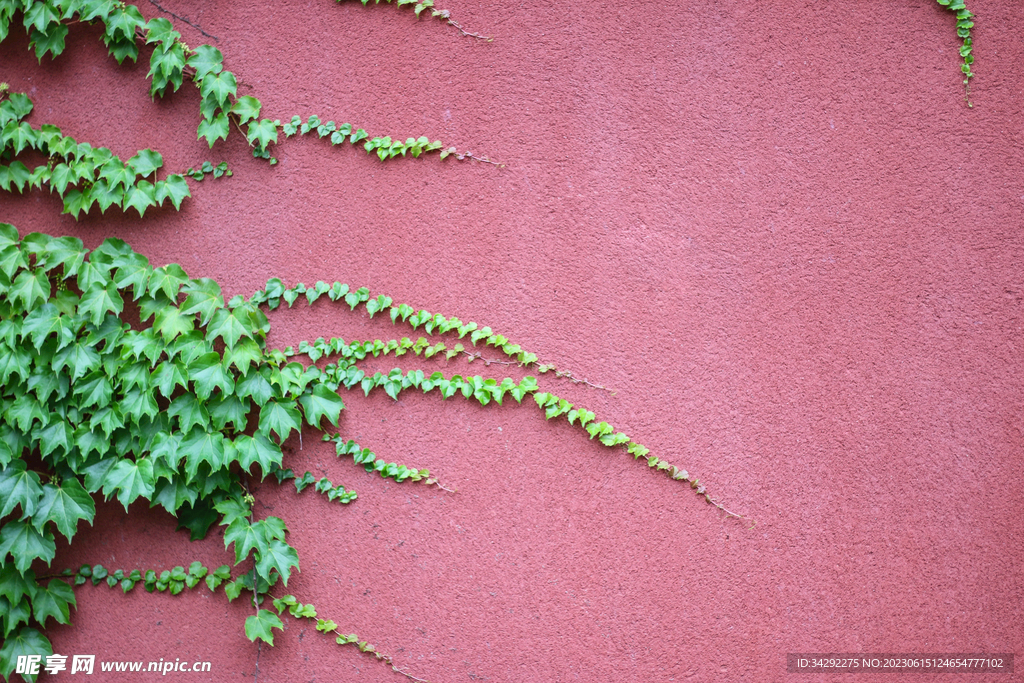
(774,229)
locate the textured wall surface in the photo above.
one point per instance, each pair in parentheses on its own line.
(774,229)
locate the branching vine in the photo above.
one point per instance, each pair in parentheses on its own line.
(182,409)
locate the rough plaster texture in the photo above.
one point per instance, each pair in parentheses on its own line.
(773,228)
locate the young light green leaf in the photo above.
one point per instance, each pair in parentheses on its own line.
(261,624)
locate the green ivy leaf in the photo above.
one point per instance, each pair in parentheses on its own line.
(30,288)
(213,129)
(65,505)
(168,375)
(204,298)
(15,584)
(173,494)
(260,625)
(46,320)
(171,322)
(168,280)
(122,21)
(219,86)
(262,133)
(206,59)
(208,373)
(210,447)
(145,162)
(51,40)
(53,601)
(279,417)
(19,486)
(175,188)
(98,300)
(25,544)
(230,325)
(246,537)
(242,354)
(258,449)
(246,108)
(160,30)
(140,197)
(229,409)
(190,413)
(130,479)
(280,556)
(320,402)
(27,641)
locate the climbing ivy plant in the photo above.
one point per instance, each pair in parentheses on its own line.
(187,406)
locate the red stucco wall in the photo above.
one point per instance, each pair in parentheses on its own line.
(774,229)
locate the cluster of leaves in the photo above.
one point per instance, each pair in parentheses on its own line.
(180,410)
(207,168)
(177,412)
(384,147)
(963,30)
(432,323)
(82,175)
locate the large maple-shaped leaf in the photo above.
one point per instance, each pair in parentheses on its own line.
(94,390)
(321,401)
(65,505)
(15,584)
(247,537)
(231,325)
(280,556)
(244,353)
(25,544)
(260,624)
(167,279)
(210,447)
(230,408)
(232,508)
(206,59)
(98,300)
(168,375)
(207,373)
(218,86)
(130,479)
(174,188)
(64,251)
(56,600)
(167,447)
(203,297)
(258,449)
(46,320)
(19,486)
(255,385)
(57,436)
(170,322)
(79,359)
(25,411)
(173,494)
(137,403)
(281,418)
(140,197)
(12,258)
(16,361)
(27,641)
(190,412)
(31,287)
(13,615)
(133,272)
